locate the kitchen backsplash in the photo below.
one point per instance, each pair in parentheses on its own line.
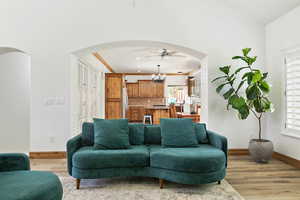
(146,101)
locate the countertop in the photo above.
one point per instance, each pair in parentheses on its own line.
(151,107)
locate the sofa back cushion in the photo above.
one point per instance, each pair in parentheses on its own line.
(152,134)
(200,130)
(136,133)
(177,132)
(111,134)
(87,135)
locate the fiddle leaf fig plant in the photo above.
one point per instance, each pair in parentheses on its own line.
(254,99)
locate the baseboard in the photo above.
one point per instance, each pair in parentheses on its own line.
(235,152)
(238,152)
(286,159)
(48,155)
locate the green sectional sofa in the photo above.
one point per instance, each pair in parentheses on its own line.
(202,164)
(17,182)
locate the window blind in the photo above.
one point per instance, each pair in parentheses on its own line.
(292,92)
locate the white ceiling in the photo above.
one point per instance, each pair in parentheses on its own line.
(264,11)
(133,57)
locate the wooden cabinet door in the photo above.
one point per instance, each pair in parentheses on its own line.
(145,88)
(113,96)
(159,90)
(136,113)
(113,110)
(164,113)
(132,90)
(160,113)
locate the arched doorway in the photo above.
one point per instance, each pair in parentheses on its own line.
(15,100)
(83,58)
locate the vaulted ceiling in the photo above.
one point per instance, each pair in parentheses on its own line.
(263,11)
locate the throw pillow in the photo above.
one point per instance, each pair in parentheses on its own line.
(111,134)
(178,133)
(200,129)
(136,133)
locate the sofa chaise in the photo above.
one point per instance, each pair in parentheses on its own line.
(17,182)
(203,164)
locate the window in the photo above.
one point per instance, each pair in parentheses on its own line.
(292,93)
(177,94)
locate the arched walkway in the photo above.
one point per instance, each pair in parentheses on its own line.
(14,100)
(78,55)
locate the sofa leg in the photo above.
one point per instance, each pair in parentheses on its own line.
(77,183)
(219,182)
(161,183)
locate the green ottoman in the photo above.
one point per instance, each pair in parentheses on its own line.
(17,182)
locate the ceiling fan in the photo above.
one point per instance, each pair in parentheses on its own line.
(163,53)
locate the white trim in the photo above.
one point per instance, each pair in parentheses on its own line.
(285,131)
(290,134)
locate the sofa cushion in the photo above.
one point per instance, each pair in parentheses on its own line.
(87,134)
(177,133)
(136,133)
(33,185)
(111,134)
(202,159)
(200,130)
(152,134)
(90,158)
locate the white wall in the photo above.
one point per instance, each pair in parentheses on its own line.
(14,102)
(51,30)
(284,33)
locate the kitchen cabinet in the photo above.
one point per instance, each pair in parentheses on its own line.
(145,87)
(150,89)
(136,113)
(113,95)
(132,90)
(158,113)
(159,90)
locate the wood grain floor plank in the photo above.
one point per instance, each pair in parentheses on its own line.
(273,181)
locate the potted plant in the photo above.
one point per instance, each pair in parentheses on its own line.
(246,91)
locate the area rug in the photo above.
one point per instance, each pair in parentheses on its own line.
(140,188)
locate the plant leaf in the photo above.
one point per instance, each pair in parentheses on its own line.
(225,69)
(230,77)
(246,51)
(256,77)
(220,87)
(252,92)
(239,69)
(218,78)
(252,60)
(240,85)
(228,93)
(264,86)
(237,57)
(246,74)
(243,112)
(265,75)
(237,102)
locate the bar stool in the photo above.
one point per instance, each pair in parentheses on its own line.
(147,118)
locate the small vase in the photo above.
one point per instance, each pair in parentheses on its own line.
(261,150)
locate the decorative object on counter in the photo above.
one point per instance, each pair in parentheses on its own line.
(158,77)
(254,99)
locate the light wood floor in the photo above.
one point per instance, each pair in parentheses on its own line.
(273,181)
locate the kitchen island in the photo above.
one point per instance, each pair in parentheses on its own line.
(158,112)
